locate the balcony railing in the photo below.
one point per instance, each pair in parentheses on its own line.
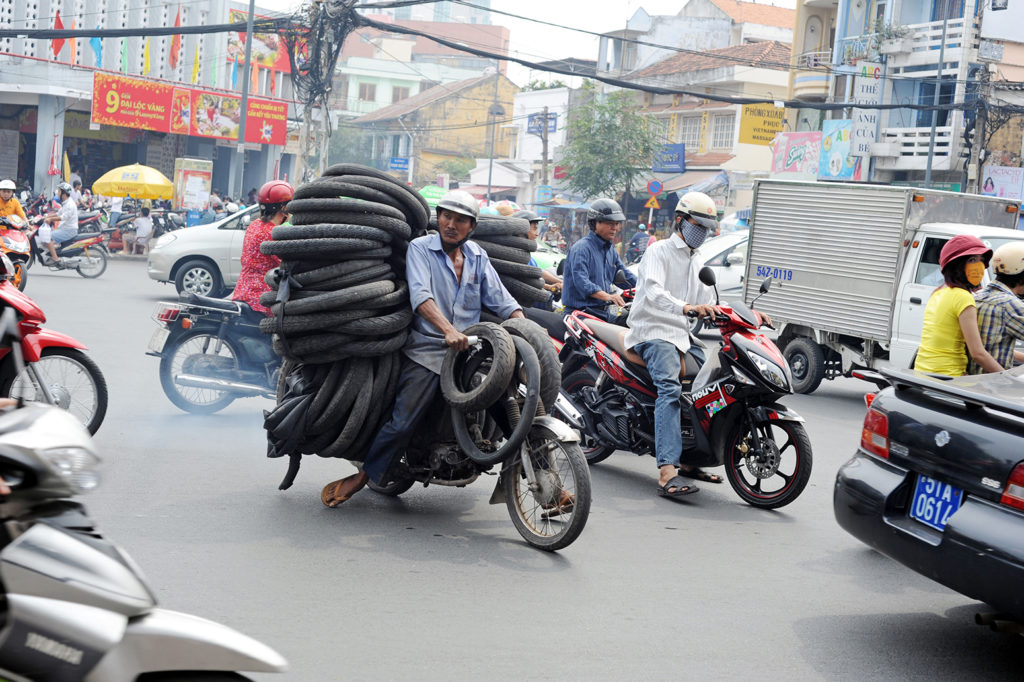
(920,44)
(813,60)
(907,148)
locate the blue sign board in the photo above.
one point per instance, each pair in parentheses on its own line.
(534,123)
(671,158)
(192,218)
(544,193)
(399,163)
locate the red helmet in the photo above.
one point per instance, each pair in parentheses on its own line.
(275,192)
(963,245)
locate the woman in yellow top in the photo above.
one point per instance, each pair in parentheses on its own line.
(951,317)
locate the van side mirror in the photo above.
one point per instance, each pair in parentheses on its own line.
(734,259)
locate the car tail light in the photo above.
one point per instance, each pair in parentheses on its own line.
(869,398)
(874,437)
(168,314)
(1013,495)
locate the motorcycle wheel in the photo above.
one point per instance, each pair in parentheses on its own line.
(20,278)
(392,489)
(73,379)
(97,268)
(185,349)
(560,469)
(779,474)
(593,451)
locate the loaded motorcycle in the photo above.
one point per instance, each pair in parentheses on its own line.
(730,414)
(211,352)
(15,246)
(75,606)
(56,371)
(84,252)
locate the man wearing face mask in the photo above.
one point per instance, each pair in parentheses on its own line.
(667,289)
(449,278)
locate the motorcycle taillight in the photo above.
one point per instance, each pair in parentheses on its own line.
(168,315)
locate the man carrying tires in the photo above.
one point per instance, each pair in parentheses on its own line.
(273,198)
(592,265)
(668,289)
(449,278)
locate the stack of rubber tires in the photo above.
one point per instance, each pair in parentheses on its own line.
(508,247)
(341,309)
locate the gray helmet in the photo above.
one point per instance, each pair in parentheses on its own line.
(606,210)
(459,201)
(64,187)
(528,216)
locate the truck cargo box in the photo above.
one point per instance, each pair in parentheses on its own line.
(835,250)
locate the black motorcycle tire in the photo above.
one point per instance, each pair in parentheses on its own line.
(414,206)
(336,188)
(374,274)
(562,534)
(319,249)
(295,324)
(353,172)
(20,276)
(311,275)
(526,293)
(329,230)
(550,367)
(76,357)
(320,208)
(167,378)
(502,252)
(736,465)
(94,252)
(511,241)
(377,326)
(340,300)
(490,388)
(355,349)
(395,225)
(392,488)
(592,450)
(504,267)
(509,227)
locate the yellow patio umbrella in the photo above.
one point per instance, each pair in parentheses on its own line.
(136,181)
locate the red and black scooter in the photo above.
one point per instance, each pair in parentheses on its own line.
(56,371)
(730,414)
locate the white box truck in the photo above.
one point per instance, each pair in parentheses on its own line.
(854,265)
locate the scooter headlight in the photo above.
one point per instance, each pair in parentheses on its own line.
(77,466)
(16,246)
(770,371)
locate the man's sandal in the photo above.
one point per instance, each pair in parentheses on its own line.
(343,489)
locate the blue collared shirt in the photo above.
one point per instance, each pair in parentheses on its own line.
(431,275)
(590,267)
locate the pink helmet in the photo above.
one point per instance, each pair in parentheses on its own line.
(963,245)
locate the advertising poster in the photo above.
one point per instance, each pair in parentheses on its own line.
(268,50)
(147,105)
(867,89)
(192,183)
(795,156)
(760,123)
(836,162)
(1002,181)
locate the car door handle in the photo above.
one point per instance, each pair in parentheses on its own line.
(915,299)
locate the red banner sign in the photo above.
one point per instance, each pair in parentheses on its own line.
(166,108)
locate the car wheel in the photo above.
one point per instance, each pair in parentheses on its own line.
(198,277)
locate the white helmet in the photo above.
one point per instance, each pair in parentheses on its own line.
(700,207)
(1008,259)
(459,201)
(7,184)
(232,207)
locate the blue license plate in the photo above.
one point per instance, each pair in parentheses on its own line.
(934,502)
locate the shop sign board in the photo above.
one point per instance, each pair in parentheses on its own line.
(795,156)
(268,49)
(867,89)
(671,158)
(162,107)
(193,180)
(836,162)
(535,123)
(760,122)
(1003,181)
(544,193)
(399,163)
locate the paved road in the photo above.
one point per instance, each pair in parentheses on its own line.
(438,585)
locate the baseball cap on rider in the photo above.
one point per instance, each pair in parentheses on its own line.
(605,210)
(459,201)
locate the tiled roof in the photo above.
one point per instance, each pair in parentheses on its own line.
(770,54)
(411,104)
(757,13)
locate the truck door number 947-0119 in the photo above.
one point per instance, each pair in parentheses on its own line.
(780,274)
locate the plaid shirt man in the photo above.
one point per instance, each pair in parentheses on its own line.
(1001,323)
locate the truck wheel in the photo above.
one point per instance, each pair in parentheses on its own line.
(807,362)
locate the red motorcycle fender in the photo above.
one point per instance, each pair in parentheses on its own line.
(33,343)
(774,413)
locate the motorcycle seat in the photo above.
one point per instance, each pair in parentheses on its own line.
(85,215)
(224,304)
(615,337)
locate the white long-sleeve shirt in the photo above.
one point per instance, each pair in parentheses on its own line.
(668,280)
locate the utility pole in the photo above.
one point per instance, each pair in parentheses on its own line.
(544,149)
(980,121)
(493,111)
(935,101)
(245,102)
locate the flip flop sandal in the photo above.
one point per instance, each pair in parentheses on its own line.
(330,494)
(681,485)
(701,475)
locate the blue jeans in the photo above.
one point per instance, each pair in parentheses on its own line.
(417,390)
(663,364)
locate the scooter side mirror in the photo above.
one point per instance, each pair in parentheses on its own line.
(620,278)
(707,277)
(765,285)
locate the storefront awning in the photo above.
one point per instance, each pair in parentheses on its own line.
(687,179)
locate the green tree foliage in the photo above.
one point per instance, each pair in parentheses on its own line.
(609,144)
(457,169)
(349,144)
(538,84)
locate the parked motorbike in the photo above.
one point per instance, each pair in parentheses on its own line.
(544,480)
(56,370)
(730,414)
(84,252)
(75,606)
(14,244)
(212,352)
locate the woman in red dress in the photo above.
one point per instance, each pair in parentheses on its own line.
(273,198)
